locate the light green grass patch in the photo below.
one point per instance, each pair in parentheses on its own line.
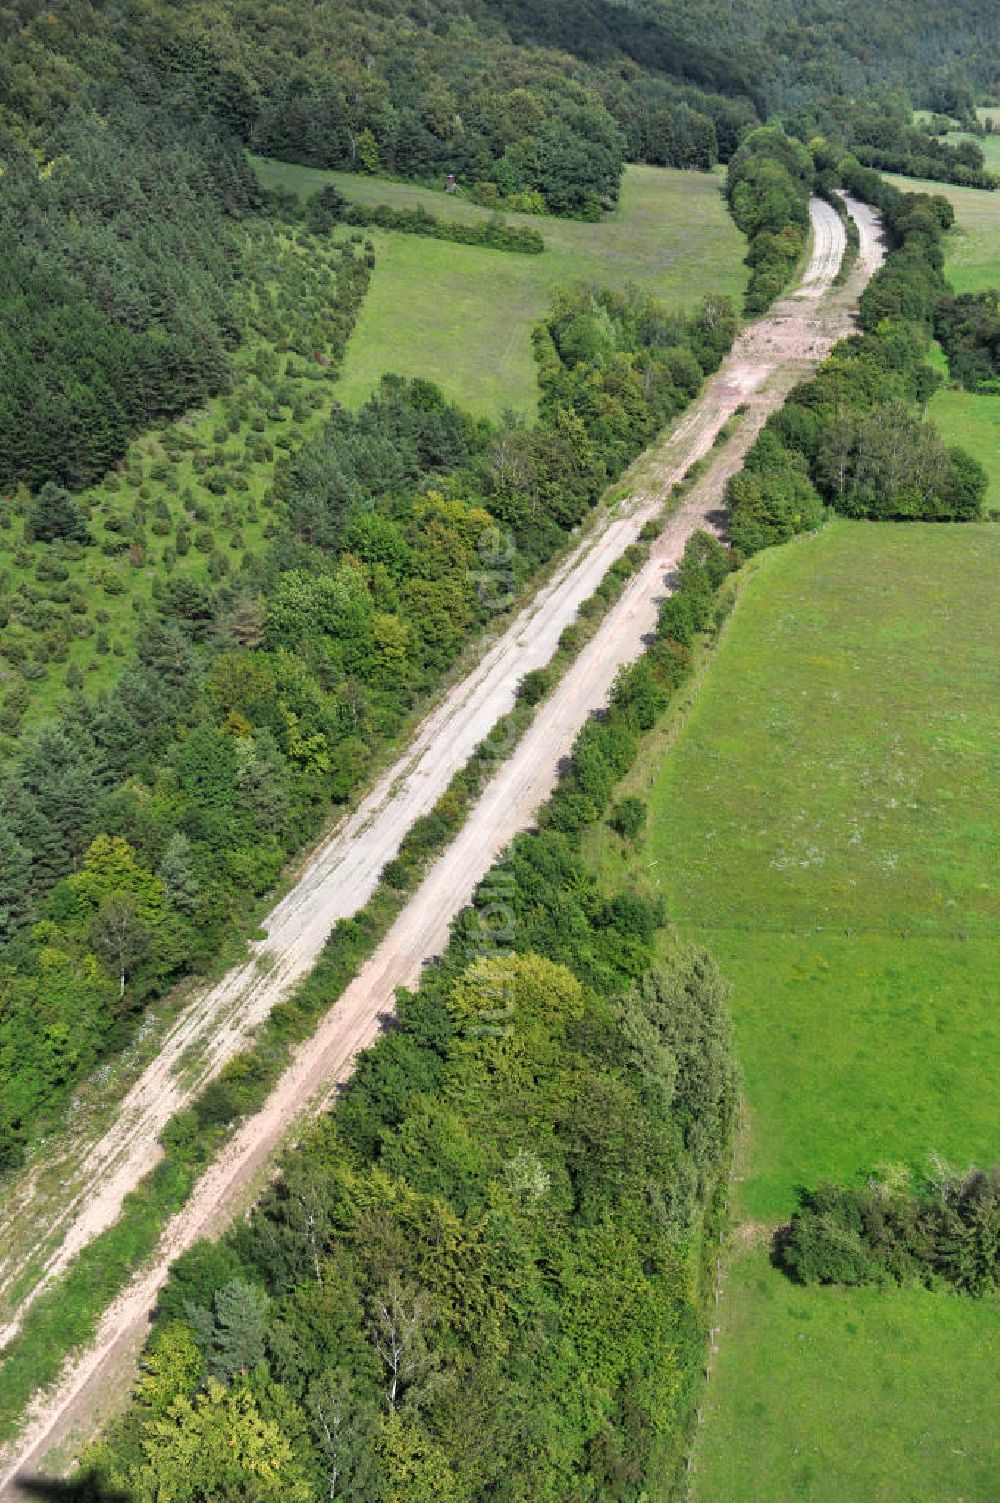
(827,824)
(462,315)
(864,1396)
(988,145)
(972,420)
(458,315)
(837,772)
(973,247)
(857,1051)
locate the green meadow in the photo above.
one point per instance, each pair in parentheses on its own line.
(973,248)
(462,315)
(859,1396)
(972,419)
(988,145)
(825,819)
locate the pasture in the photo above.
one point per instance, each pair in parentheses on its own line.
(973,247)
(462,315)
(859,1396)
(989,145)
(825,821)
(972,419)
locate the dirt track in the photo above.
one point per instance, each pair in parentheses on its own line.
(767,360)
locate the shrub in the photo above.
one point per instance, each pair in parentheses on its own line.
(534,686)
(54,514)
(494,232)
(947,1230)
(628,817)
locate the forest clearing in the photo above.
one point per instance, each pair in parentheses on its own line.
(463,316)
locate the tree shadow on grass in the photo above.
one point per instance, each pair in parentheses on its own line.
(87,1489)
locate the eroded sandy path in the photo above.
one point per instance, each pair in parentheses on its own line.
(766,361)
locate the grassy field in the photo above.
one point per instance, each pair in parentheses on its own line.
(973,248)
(826,822)
(858,1397)
(988,145)
(463,315)
(972,420)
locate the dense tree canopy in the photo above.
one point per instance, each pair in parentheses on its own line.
(768,185)
(116,285)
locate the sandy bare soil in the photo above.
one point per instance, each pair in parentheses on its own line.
(767,360)
(827,251)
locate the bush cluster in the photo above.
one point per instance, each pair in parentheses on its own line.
(329,207)
(494,232)
(943,1233)
(968,330)
(606,747)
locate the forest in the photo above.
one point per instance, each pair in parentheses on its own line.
(121,135)
(117,287)
(139,826)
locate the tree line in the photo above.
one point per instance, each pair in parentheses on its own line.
(882,139)
(768,185)
(329,207)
